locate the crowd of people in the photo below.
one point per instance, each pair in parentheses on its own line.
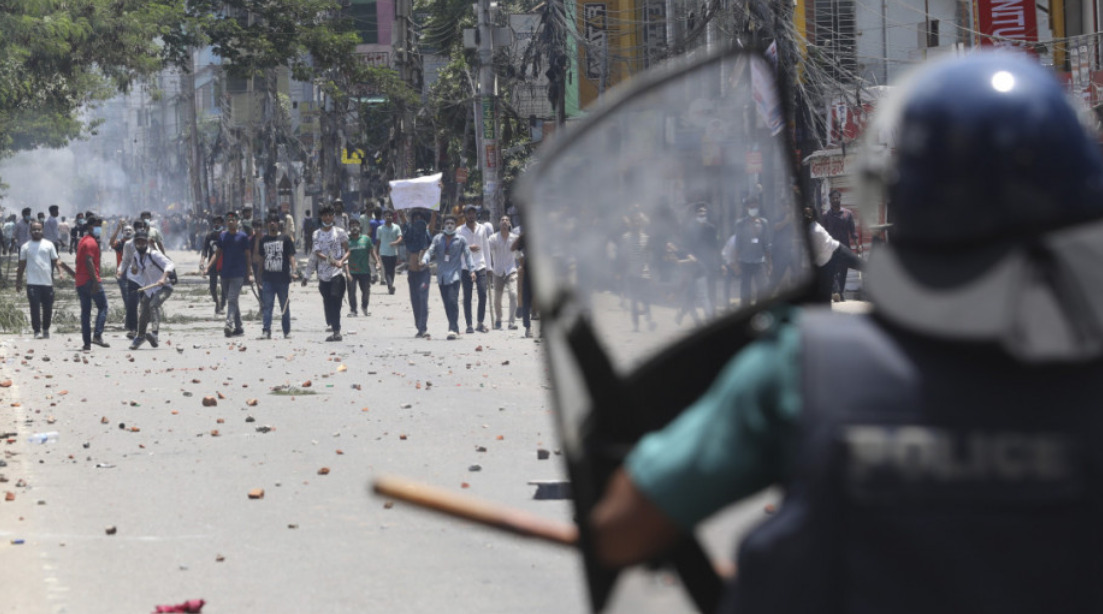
(347,254)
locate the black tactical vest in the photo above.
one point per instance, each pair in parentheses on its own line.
(932,478)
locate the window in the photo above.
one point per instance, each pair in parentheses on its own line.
(365,20)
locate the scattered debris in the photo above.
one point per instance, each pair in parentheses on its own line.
(480,448)
(542,454)
(111,530)
(192,606)
(209,401)
(475,468)
(256,493)
(252,402)
(388,505)
(323,471)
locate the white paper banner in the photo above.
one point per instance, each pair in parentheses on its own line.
(420,192)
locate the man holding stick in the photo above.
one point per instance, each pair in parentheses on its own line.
(150,271)
(277,252)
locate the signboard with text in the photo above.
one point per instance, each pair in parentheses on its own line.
(1004,23)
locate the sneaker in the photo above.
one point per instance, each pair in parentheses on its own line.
(37,335)
(130,334)
(334,337)
(238,332)
(267,334)
(390,289)
(498,326)
(453,335)
(45,334)
(512,326)
(152,339)
(218,311)
(229,332)
(835,298)
(470,330)
(137,343)
(528,333)
(419,335)
(98,340)
(86,348)
(287,335)
(483,329)
(352,314)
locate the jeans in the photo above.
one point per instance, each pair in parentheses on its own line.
(333,295)
(480,286)
(212,286)
(231,292)
(507,284)
(751,274)
(389,263)
(270,291)
(363,280)
(150,309)
(419,297)
(130,304)
(450,294)
(86,300)
(842,260)
(42,307)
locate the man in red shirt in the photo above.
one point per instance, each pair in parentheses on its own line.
(89,286)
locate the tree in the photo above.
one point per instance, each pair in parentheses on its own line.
(58,57)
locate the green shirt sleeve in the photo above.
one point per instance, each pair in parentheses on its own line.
(732,442)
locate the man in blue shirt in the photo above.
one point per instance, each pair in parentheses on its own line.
(416,237)
(452,256)
(233,246)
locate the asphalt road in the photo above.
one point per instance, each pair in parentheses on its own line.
(138,452)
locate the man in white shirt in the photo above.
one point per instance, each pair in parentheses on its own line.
(331,250)
(39,259)
(477,234)
(150,270)
(503,266)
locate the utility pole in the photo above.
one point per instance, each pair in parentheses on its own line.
(404,160)
(488,121)
(195,162)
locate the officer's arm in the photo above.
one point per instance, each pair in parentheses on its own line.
(628,528)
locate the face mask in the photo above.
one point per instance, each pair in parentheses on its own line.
(96,230)
(702,218)
(450,229)
(328,224)
(217,228)
(80,222)
(753,212)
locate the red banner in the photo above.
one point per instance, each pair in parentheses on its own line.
(1007,22)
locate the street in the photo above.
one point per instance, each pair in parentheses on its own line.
(144,497)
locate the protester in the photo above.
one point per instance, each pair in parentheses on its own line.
(361,253)
(331,247)
(389,236)
(503,265)
(90,286)
(39,259)
(416,238)
(237,265)
(213,273)
(477,234)
(278,253)
(151,273)
(451,253)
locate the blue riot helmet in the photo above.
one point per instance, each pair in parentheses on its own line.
(995,187)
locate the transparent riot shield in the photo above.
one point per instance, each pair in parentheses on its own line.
(659,232)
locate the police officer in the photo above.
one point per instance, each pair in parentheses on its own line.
(939,454)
